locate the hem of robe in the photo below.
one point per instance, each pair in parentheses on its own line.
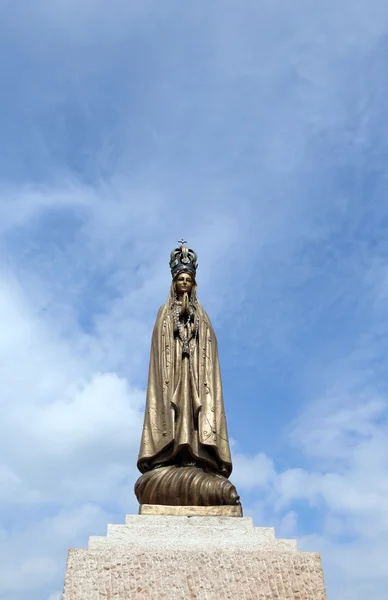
(163,458)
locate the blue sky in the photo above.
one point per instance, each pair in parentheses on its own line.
(259,132)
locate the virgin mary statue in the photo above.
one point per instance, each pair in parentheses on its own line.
(184,454)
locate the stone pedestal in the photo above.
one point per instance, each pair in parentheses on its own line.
(191,511)
(164,557)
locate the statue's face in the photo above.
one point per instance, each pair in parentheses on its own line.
(184,283)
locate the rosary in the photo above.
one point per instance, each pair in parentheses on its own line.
(181,328)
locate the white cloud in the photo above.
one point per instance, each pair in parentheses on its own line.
(252,472)
(343,481)
(69,437)
(33,557)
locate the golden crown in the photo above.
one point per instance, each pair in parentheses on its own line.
(183,259)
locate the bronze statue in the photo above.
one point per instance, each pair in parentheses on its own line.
(184,454)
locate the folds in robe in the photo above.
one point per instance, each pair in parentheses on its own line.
(184,415)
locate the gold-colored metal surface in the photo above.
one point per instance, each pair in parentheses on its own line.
(184,407)
(184,423)
(174,485)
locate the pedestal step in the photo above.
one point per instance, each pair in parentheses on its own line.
(192,558)
(168,532)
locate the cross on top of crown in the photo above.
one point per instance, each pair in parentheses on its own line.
(182,242)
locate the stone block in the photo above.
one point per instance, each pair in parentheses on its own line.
(191,511)
(198,558)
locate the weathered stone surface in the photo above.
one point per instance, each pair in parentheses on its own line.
(171,532)
(191,511)
(201,558)
(93,575)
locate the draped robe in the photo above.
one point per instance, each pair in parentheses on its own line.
(184,415)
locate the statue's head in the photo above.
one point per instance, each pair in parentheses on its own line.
(183,265)
(184,281)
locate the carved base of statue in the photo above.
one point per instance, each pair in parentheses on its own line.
(185,486)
